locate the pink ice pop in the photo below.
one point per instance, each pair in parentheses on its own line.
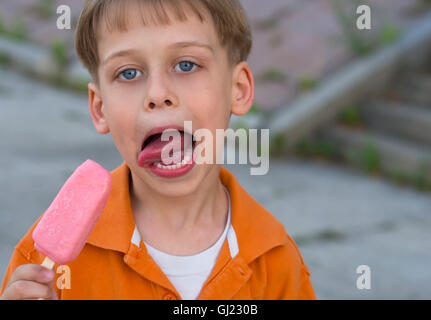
(65,227)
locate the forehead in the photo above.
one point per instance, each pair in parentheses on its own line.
(148,22)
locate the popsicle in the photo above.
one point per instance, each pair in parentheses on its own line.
(67,223)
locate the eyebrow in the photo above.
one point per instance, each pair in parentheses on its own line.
(121,53)
(184,44)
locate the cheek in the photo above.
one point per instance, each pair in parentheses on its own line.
(211,109)
(122,104)
(122,119)
(209,100)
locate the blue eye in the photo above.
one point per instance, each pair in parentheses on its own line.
(129,74)
(185,66)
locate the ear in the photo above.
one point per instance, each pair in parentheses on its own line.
(242,89)
(97,111)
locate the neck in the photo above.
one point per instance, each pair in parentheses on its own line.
(205,207)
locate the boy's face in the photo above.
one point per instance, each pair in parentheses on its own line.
(162,75)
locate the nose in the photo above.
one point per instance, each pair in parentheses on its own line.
(159,93)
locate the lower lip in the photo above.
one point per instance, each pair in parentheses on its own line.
(173,173)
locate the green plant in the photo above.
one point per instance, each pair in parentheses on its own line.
(306,83)
(387,226)
(240,124)
(323,235)
(362,42)
(316,148)
(255,108)
(60,53)
(2,28)
(330,234)
(398,176)
(45,8)
(278,143)
(366,157)
(389,33)
(357,42)
(420,176)
(418,179)
(80,86)
(350,116)
(370,159)
(273,75)
(17,30)
(325,149)
(4,58)
(303,240)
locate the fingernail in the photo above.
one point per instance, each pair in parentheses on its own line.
(48,275)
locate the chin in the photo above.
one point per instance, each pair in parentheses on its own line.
(177,188)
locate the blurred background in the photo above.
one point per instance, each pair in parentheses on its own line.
(349,113)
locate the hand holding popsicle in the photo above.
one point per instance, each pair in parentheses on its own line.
(30,281)
(63,230)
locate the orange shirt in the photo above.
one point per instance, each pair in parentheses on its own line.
(268,264)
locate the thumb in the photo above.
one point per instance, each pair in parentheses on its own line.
(53,295)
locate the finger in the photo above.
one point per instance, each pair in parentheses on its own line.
(32,272)
(23,289)
(53,292)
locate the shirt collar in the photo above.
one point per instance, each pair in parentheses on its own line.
(256,229)
(115,226)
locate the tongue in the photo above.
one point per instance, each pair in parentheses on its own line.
(153,150)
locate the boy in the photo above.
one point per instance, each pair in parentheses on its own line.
(183,231)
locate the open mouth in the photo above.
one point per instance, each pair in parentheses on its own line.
(154,155)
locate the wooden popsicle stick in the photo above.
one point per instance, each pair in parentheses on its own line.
(48,263)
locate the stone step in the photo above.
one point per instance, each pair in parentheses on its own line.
(399,119)
(417,80)
(394,154)
(413,88)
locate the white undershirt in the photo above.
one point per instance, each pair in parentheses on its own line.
(189,273)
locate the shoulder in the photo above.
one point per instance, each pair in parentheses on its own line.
(286,257)
(26,246)
(286,274)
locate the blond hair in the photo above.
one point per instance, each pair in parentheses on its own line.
(228,17)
